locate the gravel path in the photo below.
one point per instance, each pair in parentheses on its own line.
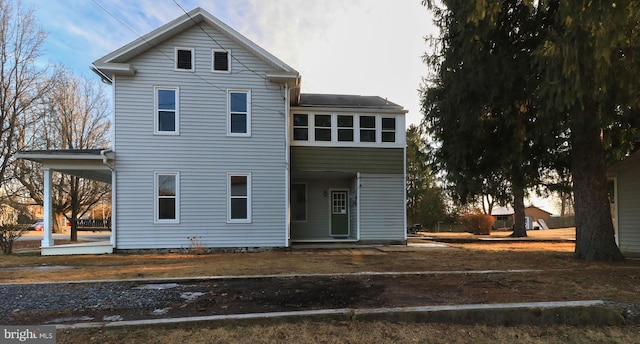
(20,300)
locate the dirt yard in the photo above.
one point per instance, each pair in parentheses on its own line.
(306,278)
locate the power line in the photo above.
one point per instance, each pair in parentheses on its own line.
(172,59)
(215,41)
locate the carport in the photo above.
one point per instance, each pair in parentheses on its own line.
(95,164)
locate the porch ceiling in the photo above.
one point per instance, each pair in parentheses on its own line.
(95,164)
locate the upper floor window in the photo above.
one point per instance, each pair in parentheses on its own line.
(388,129)
(322,127)
(239,119)
(184,58)
(367,128)
(345,128)
(166,110)
(167,197)
(301,127)
(239,195)
(221,60)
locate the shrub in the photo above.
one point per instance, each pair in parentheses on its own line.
(9,233)
(478,224)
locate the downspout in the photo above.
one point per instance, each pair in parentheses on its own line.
(287,157)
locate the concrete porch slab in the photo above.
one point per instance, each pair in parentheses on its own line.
(99,247)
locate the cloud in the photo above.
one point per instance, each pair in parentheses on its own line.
(368,47)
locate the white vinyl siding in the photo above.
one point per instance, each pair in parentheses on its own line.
(382,207)
(203,153)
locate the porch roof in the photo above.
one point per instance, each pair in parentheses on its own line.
(95,164)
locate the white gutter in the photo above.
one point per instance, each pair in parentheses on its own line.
(105,158)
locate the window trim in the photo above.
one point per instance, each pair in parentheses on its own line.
(375,133)
(156,212)
(156,110)
(383,130)
(306,202)
(248,113)
(351,129)
(248,197)
(193,59)
(331,128)
(213,60)
(368,129)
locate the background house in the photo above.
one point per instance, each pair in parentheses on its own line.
(505,217)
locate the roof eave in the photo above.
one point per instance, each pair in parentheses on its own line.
(396,111)
(109,69)
(290,79)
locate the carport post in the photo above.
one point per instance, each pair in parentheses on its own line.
(47,238)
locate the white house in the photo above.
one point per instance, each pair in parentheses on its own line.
(213,140)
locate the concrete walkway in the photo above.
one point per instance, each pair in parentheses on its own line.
(582,312)
(590,312)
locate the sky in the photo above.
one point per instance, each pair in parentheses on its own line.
(361,47)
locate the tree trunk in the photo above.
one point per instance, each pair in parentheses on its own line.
(519,228)
(595,236)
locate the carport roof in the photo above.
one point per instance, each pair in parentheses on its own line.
(95,164)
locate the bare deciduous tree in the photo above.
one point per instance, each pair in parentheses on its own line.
(22,83)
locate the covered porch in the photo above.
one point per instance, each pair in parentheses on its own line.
(94,164)
(324,207)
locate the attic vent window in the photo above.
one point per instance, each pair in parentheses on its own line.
(184,59)
(221,61)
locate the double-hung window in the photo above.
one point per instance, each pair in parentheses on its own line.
(300,127)
(367,128)
(167,194)
(166,110)
(322,127)
(239,197)
(221,60)
(184,58)
(388,129)
(239,118)
(345,128)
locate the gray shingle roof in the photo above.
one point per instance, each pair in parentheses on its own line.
(344,100)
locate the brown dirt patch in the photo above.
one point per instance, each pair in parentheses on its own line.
(349,278)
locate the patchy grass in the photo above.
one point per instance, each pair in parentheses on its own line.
(560,278)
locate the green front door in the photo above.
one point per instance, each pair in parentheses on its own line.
(339,213)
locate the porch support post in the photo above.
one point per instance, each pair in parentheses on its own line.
(47,238)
